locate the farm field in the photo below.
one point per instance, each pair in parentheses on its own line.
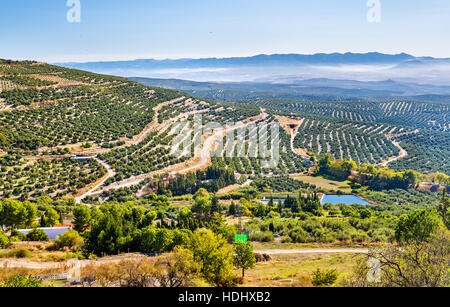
(422,115)
(322,183)
(296,270)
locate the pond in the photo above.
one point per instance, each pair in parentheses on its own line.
(343,199)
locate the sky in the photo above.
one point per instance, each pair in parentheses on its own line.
(137,29)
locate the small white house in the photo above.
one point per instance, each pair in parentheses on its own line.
(51,232)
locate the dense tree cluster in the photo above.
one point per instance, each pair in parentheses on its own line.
(367,175)
(212,179)
(280,184)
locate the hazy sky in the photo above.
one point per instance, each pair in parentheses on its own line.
(113,29)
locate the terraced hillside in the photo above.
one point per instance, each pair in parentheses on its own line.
(127,131)
(362,143)
(48,113)
(246,148)
(399,134)
(423,115)
(123,134)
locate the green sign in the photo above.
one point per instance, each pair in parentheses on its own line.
(240,239)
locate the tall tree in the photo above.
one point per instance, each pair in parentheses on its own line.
(244,258)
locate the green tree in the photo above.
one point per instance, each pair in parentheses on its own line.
(215,257)
(215,206)
(82,218)
(2,139)
(444,207)
(37,235)
(202,207)
(324,278)
(71,239)
(244,258)
(418,226)
(50,218)
(324,163)
(176,269)
(202,193)
(233,209)
(14,214)
(4,241)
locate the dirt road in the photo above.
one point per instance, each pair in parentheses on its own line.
(313,251)
(135,141)
(21,263)
(403,154)
(205,154)
(193,164)
(91,192)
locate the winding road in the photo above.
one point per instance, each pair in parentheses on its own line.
(185,167)
(403,154)
(91,192)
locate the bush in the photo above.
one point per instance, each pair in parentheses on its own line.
(4,241)
(360,236)
(261,236)
(324,278)
(299,235)
(71,239)
(17,236)
(20,281)
(16,253)
(286,239)
(37,235)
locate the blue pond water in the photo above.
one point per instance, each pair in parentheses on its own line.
(344,199)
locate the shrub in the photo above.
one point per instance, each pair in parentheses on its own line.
(17,236)
(37,235)
(299,235)
(324,278)
(261,236)
(16,253)
(4,241)
(324,235)
(71,239)
(20,281)
(360,236)
(382,235)
(286,239)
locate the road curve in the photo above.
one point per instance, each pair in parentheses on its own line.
(91,192)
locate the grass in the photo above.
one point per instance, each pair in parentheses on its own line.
(325,184)
(7,273)
(296,270)
(37,251)
(16,253)
(290,246)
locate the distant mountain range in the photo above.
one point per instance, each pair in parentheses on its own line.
(262,60)
(285,68)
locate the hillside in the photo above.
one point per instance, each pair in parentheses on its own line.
(123,134)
